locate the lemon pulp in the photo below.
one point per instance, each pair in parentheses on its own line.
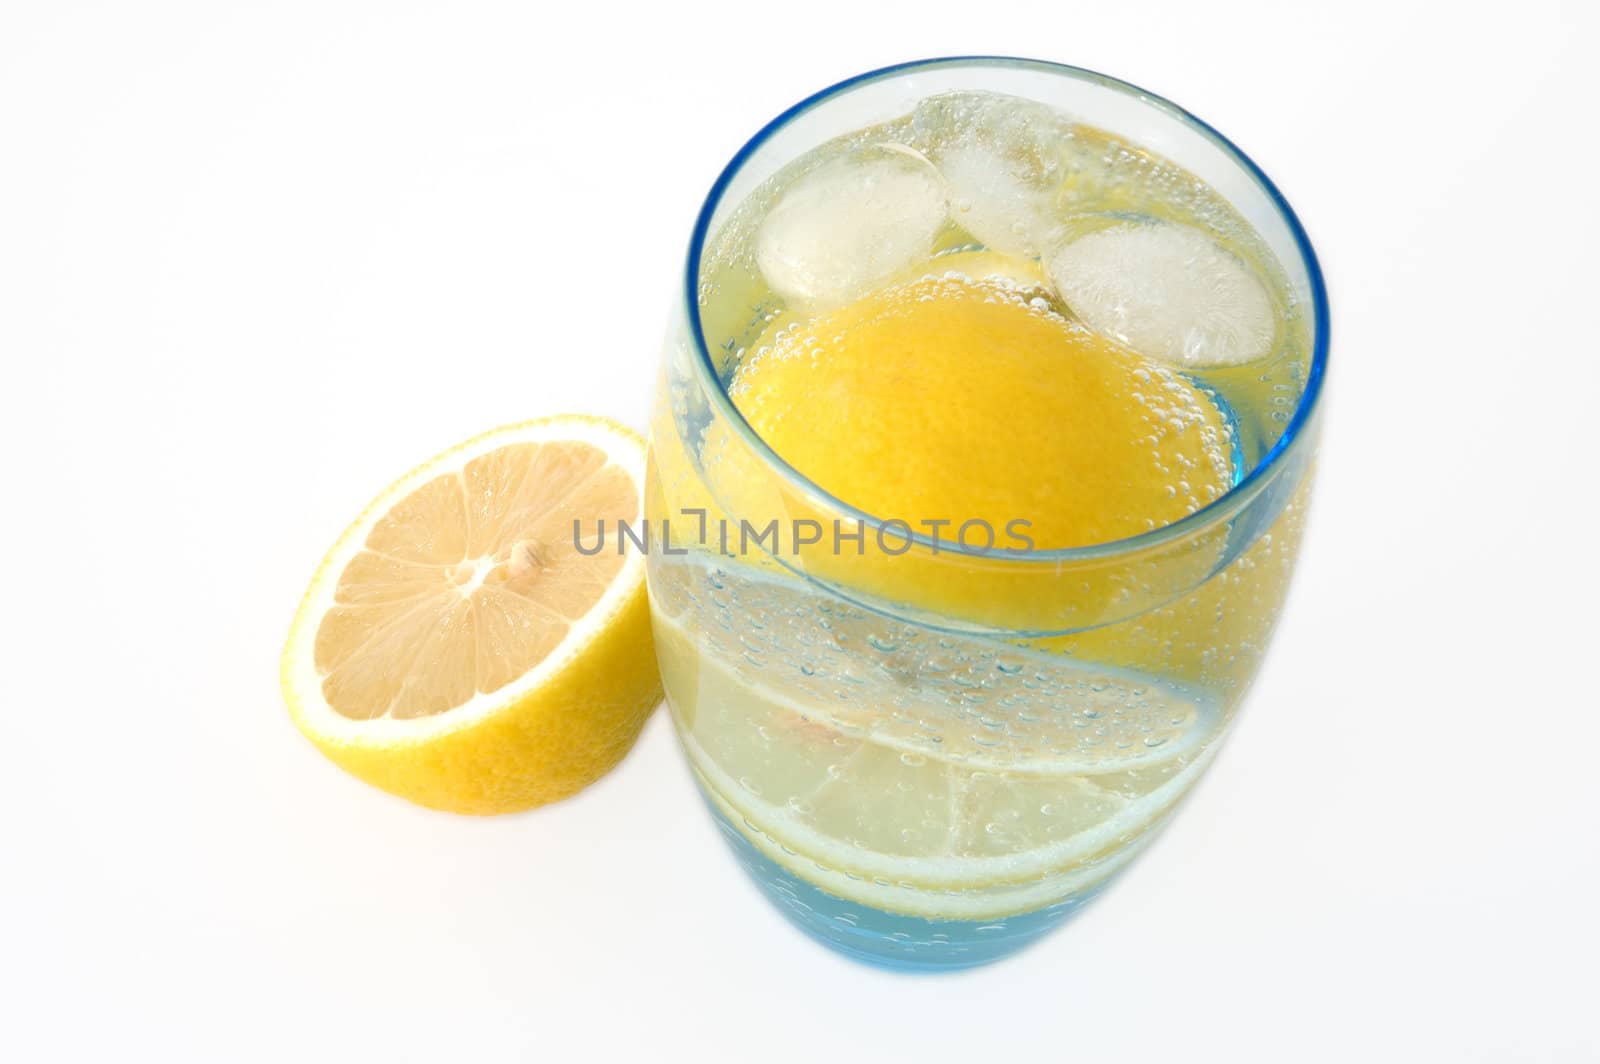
(470,581)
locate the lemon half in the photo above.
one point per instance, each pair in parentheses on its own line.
(458,649)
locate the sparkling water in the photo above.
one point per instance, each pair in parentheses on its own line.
(907,791)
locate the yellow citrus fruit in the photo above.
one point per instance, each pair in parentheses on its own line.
(457,647)
(951,399)
(968,397)
(826,764)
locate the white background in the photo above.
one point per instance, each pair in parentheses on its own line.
(255,261)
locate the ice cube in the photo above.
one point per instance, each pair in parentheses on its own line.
(1168,291)
(990,200)
(850,222)
(1000,157)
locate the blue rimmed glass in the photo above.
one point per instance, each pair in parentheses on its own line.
(1184,611)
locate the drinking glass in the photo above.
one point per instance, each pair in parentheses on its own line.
(929,756)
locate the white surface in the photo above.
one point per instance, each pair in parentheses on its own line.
(255,263)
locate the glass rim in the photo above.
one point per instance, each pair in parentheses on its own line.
(1219,509)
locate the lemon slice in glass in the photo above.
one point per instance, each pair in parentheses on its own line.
(941,775)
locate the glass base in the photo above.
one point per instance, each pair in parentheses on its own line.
(895,941)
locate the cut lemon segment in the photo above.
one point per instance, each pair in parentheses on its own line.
(462,645)
(944,776)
